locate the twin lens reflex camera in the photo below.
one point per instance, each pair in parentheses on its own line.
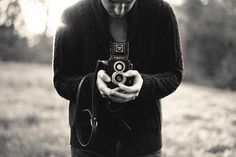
(118,64)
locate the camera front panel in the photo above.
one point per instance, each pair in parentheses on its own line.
(117,68)
(118,64)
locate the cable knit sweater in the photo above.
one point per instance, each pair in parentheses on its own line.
(83,38)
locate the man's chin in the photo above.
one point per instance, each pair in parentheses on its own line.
(116,16)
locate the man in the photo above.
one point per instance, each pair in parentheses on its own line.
(84,37)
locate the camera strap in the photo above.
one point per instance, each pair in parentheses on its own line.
(87,124)
(87,114)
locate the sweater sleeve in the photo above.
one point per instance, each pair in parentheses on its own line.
(161,84)
(67,66)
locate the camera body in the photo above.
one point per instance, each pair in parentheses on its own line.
(118,64)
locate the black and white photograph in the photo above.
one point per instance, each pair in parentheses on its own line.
(117,78)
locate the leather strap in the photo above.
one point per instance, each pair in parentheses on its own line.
(91,112)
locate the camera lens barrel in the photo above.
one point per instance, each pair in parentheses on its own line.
(118,77)
(119,66)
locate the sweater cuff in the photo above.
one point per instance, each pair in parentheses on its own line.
(147,87)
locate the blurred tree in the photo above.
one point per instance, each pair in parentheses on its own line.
(10,41)
(210,42)
(15,47)
(43,49)
(9,15)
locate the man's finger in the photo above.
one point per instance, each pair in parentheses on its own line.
(100,83)
(118,89)
(105,90)
(104,96)
(131,73)
(124,96)
(102,74)
(129,89)
(102,87)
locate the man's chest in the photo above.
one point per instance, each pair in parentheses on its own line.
(118,29)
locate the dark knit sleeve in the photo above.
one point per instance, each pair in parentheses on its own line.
(67,66)
(163,83)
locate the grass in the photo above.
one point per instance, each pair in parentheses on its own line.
(33,118)
(197,121)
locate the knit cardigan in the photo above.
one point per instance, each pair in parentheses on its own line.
(83,38)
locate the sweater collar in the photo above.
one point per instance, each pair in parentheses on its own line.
(102,19)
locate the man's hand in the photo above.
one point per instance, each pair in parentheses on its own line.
(102,78)
(122,93)
(127,93)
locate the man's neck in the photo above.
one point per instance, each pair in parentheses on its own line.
(118,28)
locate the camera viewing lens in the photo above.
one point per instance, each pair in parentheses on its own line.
(119,66)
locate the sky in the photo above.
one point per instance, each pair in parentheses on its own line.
(35,15)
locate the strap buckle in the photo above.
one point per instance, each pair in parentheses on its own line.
(94,122)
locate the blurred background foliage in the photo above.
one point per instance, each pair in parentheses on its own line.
(209,42)
(15,45)
(207,28)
